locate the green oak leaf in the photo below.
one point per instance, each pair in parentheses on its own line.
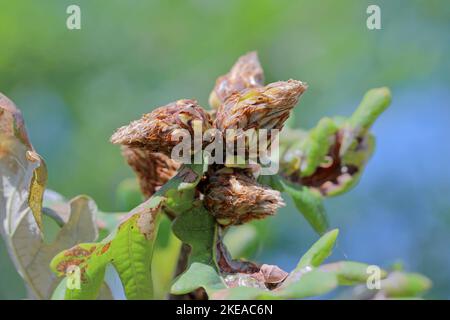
(129,249)
(198,275)
(310,204)
(319,251)
(404,284)
(350,272)
(396,285)
(314,257)
(313,283)
(374,102)
(198,229)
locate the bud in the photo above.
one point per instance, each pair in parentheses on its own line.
(245,73)
(233,196)
(157,131)
(153,169)
(260,108)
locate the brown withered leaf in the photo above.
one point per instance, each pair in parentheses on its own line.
(245,73)
(22,182)
(14,137)
(229,265)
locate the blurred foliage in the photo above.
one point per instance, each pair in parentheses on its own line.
(76,87)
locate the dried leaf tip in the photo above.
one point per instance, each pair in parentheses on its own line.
(233,196)
(245,73)
(157,131)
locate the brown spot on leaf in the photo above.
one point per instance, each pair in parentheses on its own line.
(63,266)
(146,221)
(105,248)
(78,251)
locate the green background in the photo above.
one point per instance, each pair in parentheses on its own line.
(76,87)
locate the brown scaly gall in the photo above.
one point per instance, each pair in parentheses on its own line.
(233,196)
(157,131)
(245,73)
(152,169)
(260,108)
